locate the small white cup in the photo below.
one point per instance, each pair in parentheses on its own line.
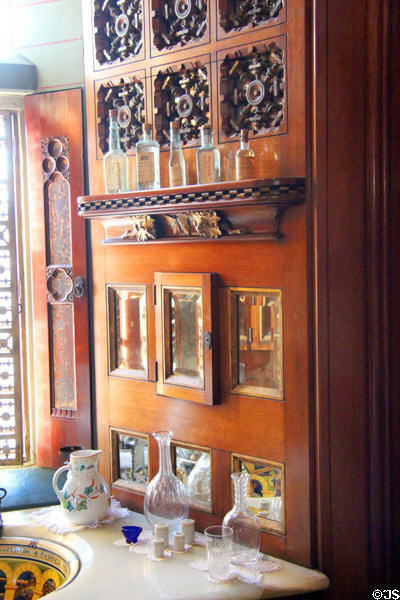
(158,547)
(161,530)
(179,542)
(188,530)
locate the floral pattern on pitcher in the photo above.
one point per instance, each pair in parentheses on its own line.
(75,501)
(85,497)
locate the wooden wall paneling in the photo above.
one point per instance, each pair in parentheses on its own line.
(339,210)
(103,420)
(251,426)
(135,405)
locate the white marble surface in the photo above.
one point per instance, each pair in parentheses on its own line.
(110,571)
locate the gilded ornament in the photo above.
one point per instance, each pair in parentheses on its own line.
(206,223)
(143,228)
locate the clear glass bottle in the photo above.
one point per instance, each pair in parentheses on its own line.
(148,161)
(177,167)
(115,161)
(245,524)
(165,500)
(208,158)
(244,158)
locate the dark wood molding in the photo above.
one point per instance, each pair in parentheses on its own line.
(378,273)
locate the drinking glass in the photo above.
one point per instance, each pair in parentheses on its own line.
(219,551)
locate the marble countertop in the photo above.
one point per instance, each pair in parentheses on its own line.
(109,571)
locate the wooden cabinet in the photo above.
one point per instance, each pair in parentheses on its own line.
(201,245)
(187,336)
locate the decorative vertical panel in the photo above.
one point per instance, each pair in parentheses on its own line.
(235,15)
(253,89)
(59,277)
(62,343)
(118,30)
(179,22)
(10,368)
(181,93)
(127,94)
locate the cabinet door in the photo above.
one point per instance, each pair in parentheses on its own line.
(59,279)
(186,336)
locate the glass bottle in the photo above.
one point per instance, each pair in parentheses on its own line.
(208,158)
(115,161)
(165,500)
(177,167)
(244,158)
(245,524)
(148,161)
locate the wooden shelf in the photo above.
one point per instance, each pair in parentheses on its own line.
(250,209)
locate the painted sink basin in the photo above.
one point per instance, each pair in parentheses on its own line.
(31,568)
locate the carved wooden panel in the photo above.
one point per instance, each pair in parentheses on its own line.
(118,30)
(176,23)
(59,276)
(181,93)
(252,87)
(61,327)
(236,15)
(127,94)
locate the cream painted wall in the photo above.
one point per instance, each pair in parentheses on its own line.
(49,33)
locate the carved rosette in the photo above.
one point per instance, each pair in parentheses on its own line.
(126,94)
(252,90)
(118,28)
(178,22)
(181,93)
(238,14)
(55,157)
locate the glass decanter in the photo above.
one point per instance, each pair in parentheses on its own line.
(245,524)
(166,500)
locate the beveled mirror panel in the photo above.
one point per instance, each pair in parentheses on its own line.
(183,336)
(266,490)
(186,338)
(192,466)
(130,465)
(127,331)
(256,342)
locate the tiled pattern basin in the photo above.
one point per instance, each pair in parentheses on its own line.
(31,568)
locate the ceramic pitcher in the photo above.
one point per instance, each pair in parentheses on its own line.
(85,496)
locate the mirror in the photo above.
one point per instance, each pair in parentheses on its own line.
(193,468)
(129,460)
(256,342)
(127,331)
(184,337)
(265,494)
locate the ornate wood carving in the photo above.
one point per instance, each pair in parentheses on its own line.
(142,229)
(55,155)
(206,223)
(252,89)
(237,14)
(181,93)
(118,30)
(252,210)
(126,94)
(178,22)
(59,284)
